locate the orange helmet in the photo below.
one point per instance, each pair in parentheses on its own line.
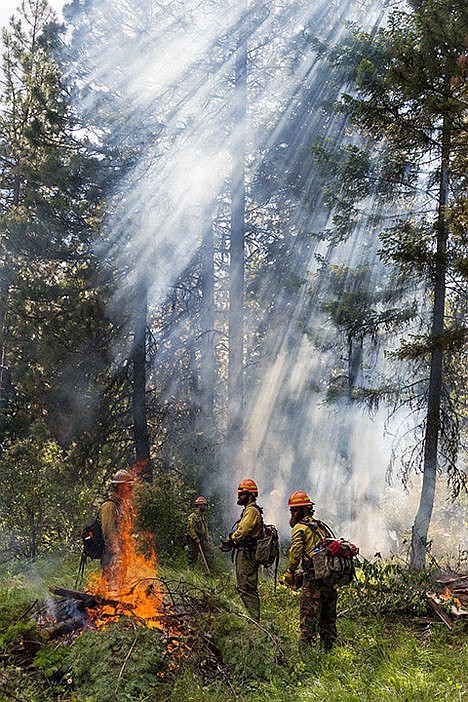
(201,500)
(248,485)
(299,499)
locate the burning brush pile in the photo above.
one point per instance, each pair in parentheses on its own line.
(126,596)
(450,599)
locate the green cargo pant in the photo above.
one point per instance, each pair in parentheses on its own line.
(318,612)
(194,553)
(247,582)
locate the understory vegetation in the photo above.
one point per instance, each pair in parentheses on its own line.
(391,646)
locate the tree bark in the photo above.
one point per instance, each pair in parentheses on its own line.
(140,423)
(431,438)
(207,335)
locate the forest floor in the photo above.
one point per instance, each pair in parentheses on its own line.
(392,647)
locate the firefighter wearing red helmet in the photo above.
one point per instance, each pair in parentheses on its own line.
(199,539)
(318,599)
(243,539)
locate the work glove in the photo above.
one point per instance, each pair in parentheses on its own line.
(290,580)
(227,545)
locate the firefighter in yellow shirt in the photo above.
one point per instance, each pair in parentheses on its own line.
(244,539)
(199,536)
(116,519)
(318,599)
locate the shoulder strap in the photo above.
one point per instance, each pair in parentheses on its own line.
(316,525)
(253,504)
(260,510)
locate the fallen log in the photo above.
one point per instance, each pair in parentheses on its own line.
(88,599)
(68,626)
(439,611)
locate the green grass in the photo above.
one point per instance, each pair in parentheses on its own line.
(386,651)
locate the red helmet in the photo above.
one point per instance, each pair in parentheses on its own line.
(248,485)
(299,499)
(201,500)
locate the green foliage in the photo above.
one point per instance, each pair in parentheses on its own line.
(120,663)
(52,662)
(163,510)
(249,654)
(41,504)
(17,632)
(386,588)
(384,651)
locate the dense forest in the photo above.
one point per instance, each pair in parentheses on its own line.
(234,243)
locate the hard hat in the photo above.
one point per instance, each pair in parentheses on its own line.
(299,499)
(248,485)
(201,500)
(122,476)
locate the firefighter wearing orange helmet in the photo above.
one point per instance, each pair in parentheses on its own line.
(199,539)
(243,539)
(318,599)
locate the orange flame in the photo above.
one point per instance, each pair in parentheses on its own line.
(131,582)
(131,579)
(448,595)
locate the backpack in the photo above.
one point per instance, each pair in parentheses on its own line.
(333,559)
(93,540)
(333,562)
(267,546)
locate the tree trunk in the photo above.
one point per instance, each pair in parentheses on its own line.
(355,354)
(431,438)
(236,250)
(207,335)
(6,277)
(5,376)
(140,424)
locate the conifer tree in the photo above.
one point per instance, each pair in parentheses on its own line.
(411,99)
(51,313)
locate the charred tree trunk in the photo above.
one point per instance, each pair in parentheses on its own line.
(140,422)
(236,250)
(431,438)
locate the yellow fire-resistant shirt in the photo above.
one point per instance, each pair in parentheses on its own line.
(249,525)
(109,514)
(197,526)
(303,541)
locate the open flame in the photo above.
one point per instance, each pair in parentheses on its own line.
(131,587)
(447,594)
(131,581)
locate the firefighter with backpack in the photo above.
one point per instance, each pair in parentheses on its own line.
(199,539)
(243,539)
(318,598)
(116,515)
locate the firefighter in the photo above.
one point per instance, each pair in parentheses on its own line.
(318,599)
(116,518)
(199,539)
(243,539)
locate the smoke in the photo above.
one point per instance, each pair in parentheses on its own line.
(161,74)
